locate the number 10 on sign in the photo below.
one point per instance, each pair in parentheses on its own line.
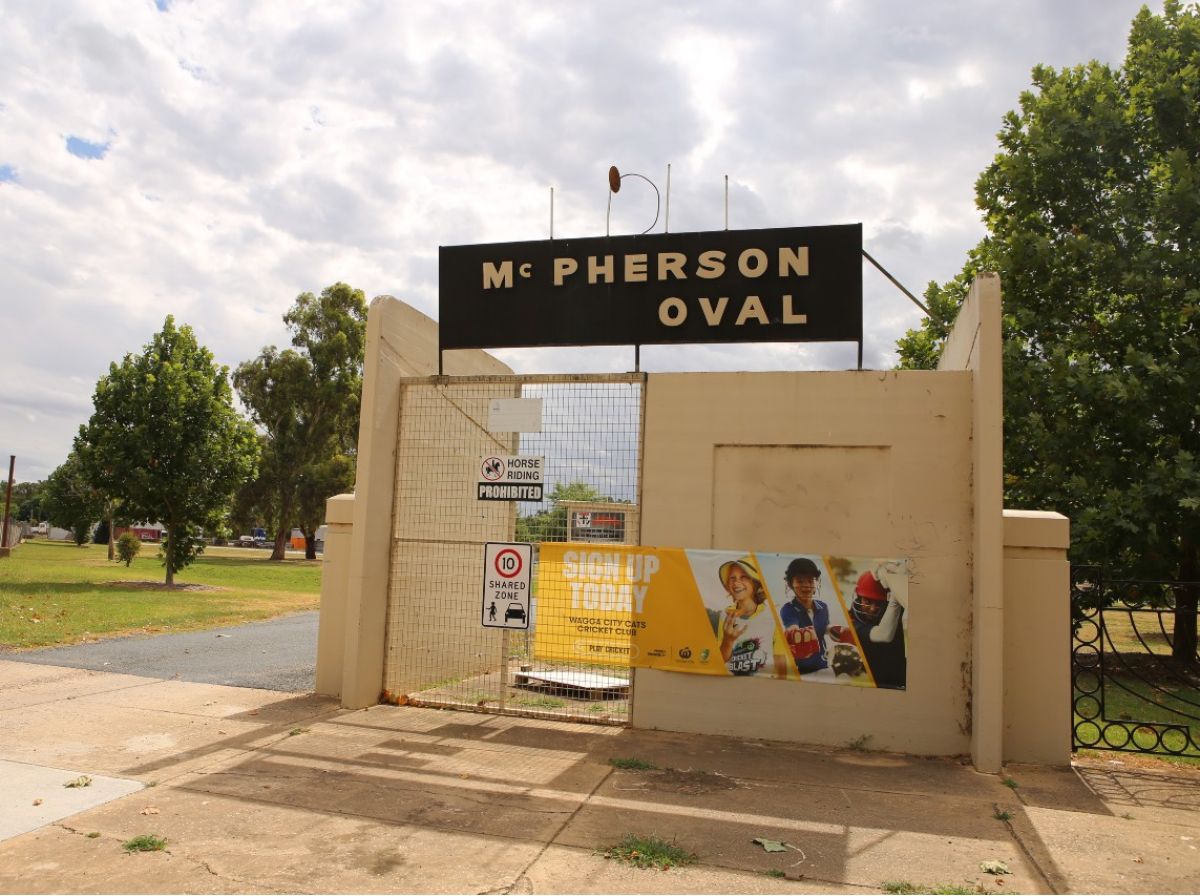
(507,568)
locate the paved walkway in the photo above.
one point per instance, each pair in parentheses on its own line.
(261,792)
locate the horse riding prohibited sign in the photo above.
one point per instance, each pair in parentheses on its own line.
(510,477)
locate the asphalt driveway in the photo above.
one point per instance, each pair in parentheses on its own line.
(278,655)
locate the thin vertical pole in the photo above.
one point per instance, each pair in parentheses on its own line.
(504,667)
(667,216)
(552,213)
(726,201)
(12,464)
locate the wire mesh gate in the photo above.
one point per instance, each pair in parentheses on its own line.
(437,653)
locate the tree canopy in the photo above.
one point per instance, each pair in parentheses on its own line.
(305,400)
(165,439)
(70,501)
(551,524)
(1092,208)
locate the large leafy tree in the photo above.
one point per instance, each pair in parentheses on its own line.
(1093,213)
(305,401)
(166,441)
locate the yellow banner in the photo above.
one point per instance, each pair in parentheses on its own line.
(807,617)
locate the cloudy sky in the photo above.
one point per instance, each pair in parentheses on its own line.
(212,160)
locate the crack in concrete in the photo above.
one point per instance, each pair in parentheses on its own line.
(1047,877)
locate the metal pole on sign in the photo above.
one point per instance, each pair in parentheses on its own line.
(12,464)
(503,668)
(637,358)
(667,216)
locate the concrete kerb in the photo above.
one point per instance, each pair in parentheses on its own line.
(260,791)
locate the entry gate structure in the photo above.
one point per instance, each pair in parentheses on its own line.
(1129,693)
(437,652)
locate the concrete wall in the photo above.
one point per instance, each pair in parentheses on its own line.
(857,463)
(889,464)
(1037,623)
(975,345)
(401,342)
(335,581)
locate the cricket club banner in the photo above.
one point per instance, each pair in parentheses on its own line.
(809,617)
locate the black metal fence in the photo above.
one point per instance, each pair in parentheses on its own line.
(1129,691)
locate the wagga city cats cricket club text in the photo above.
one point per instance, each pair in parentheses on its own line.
(665,267)
(607,581)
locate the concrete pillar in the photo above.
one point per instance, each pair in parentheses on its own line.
(335,584)
(975,344)
(1037,631)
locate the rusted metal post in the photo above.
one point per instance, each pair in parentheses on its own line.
(12,465)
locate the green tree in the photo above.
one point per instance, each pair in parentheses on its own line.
(128,547)
(26,501)
(1092,208)
(305,400)
(551,525)
(70,501)
(165,440)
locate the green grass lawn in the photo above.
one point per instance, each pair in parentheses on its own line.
(1129,700)
(53,593)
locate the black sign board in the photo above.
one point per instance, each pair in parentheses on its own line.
(790,284)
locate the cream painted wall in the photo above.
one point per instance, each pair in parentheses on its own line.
(401,342)
(1037,625)
(905,464)
(857,463)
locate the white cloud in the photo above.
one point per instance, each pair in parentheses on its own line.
(256,151)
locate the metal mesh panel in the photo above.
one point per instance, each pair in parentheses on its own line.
(437,651)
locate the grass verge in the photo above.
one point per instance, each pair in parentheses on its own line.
(632,764)
(53,593)
(145,843)
(904,888)
(649,852)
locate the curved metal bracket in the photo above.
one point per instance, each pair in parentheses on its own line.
(614,186)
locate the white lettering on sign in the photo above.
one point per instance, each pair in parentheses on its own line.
(673,311)
(636,266)
(609,581)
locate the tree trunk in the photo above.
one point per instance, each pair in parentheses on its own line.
(1183,646)
(281,540)
(111,552)
(310,545)
(167,554)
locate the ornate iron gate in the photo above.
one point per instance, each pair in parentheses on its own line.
(1128,692)
(437,652)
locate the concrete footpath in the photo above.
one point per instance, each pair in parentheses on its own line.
(264,792)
